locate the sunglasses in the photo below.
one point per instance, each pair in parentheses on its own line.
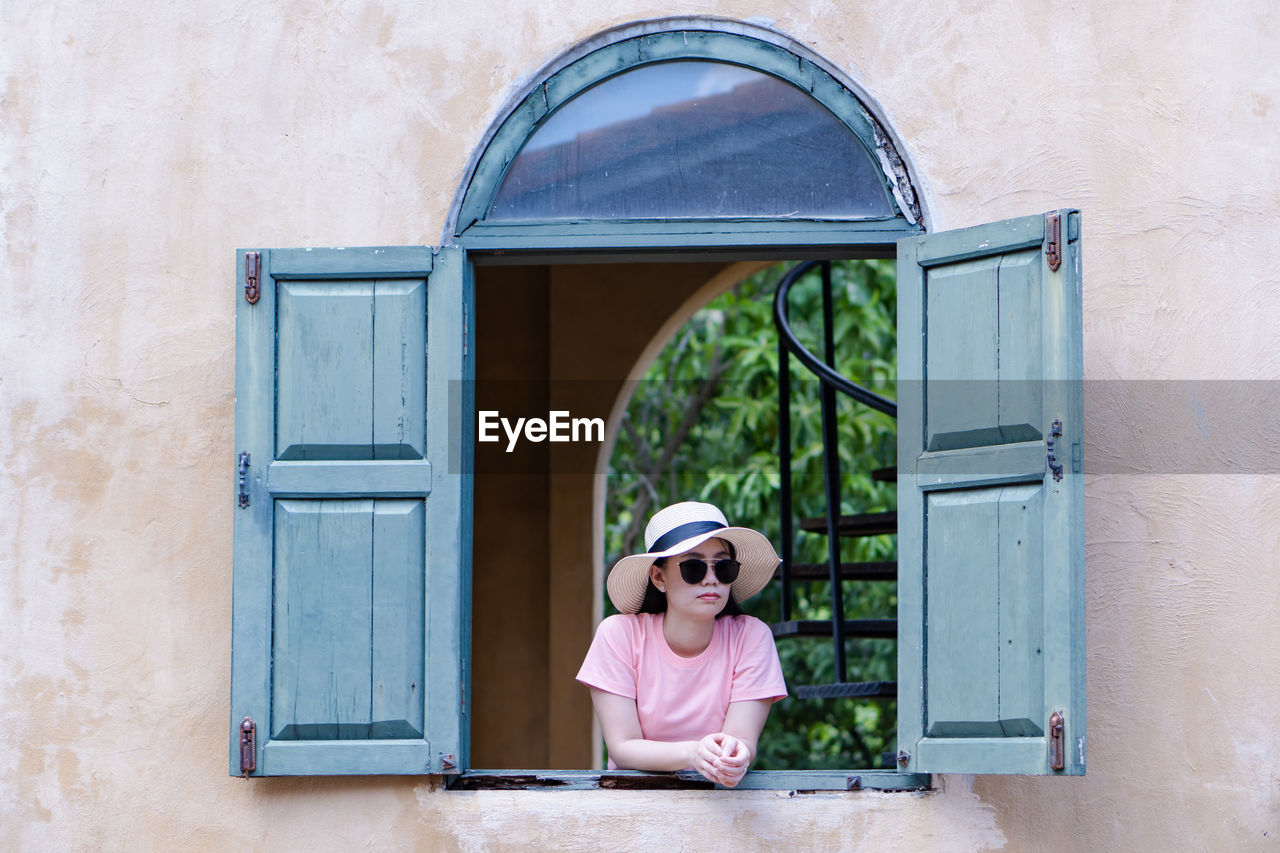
(693,571)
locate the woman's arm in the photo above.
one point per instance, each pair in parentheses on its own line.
(627,746)
(745,721)
(630,750)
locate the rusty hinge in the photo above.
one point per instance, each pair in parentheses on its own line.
(1055,432)
(1057,749)
(252,276)
(248,746)
(242,466)
(1053,240)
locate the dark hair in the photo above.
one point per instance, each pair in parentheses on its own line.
(656,602)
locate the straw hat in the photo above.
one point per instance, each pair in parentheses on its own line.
(679,528)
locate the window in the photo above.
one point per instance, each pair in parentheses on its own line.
(352,561)
(692,139)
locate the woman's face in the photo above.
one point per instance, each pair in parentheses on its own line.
(703,600)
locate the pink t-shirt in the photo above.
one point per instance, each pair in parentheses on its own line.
(677,698)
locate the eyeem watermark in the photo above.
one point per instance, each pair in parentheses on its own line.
(558,427)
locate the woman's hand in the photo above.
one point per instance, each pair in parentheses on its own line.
(722,758)
(735,758)
(707,753)
(742,726)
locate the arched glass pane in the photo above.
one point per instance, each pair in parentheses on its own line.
(692,139)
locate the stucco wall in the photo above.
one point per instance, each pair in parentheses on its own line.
(143,141)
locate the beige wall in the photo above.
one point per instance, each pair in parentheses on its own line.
(143,141)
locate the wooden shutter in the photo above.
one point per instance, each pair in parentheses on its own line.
(351,575)
(991,532)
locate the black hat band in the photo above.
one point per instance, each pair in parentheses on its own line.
(683,532)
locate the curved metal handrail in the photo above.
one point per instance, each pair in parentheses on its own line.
(788,345)
(808,359)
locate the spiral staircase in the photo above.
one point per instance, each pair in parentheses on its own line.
(834,525)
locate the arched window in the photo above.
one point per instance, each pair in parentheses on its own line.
(692,139)
(687,138)
(717,141)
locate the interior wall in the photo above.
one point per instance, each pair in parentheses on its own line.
(510,568)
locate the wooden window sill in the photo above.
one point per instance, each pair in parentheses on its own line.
(795,781)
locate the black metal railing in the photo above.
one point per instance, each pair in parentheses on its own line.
(831,383)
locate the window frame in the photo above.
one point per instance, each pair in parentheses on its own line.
(717,239)
(794,781)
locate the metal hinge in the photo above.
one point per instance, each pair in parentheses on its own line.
(248,746)
(242,466)
(1053,240)
(252,276)
(1055,432)
(465,323)
(1057,749)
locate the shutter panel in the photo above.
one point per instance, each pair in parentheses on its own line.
(352,559)
(991,541)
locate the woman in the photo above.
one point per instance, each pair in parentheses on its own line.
(681,678)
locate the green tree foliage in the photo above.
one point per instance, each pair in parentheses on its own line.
(703,425)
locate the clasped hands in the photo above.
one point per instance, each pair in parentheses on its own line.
(721,758)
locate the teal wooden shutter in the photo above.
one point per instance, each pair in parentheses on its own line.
(991,530)
(352,557)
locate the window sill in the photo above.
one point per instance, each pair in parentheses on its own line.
(795,781)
